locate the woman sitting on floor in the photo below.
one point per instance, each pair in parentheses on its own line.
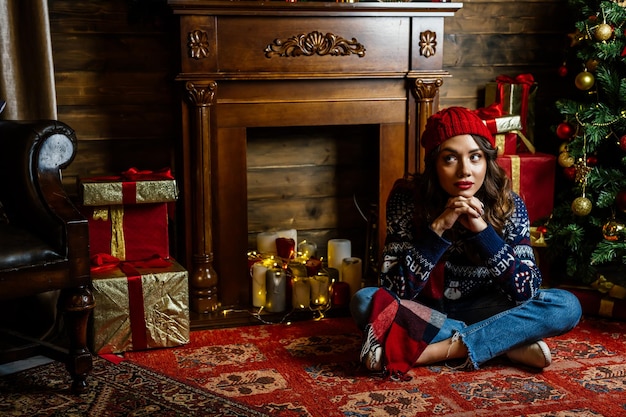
(459,277)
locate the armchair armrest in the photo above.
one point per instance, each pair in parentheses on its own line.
(31,189)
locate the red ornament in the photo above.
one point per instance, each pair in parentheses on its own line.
(570,173)
(564,130)
(620,200)
(542,229)
(622,143)
(592,161)
(562,71)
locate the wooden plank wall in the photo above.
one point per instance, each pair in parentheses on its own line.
(487,38)
(115,63)
(116,60)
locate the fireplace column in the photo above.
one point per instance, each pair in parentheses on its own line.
(426,90)
(203,296)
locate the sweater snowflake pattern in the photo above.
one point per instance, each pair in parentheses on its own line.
(474,263)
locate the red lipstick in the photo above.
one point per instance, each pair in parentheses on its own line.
(464,185)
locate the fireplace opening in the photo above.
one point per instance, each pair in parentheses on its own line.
(321,181)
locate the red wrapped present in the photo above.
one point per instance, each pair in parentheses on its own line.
(516,96)
(532,177)
(139,305)
(131,187)
(129,232)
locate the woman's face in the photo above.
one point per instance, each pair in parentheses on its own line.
(461,166)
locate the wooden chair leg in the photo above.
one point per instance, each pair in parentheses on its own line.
(77,304)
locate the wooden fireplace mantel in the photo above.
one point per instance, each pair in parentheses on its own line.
(273,63)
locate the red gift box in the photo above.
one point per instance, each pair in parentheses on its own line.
(532,177)
(129,232)
(595,303)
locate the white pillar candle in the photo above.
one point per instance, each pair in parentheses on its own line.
(258,284)
(352,273)
(301,292)
(338,249)
(266,242)
(289,234)
(319,289)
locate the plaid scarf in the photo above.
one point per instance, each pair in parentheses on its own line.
(403,327)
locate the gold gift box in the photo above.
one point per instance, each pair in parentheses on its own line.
(165,295)
(95,192)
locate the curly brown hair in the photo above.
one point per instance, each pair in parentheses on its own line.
(495,193)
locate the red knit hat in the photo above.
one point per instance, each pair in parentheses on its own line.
(450,122)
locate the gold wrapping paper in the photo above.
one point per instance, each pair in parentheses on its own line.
(99,193)
(166,309)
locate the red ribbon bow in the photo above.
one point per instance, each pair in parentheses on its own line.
(134,174)
(519,79)
(490,112)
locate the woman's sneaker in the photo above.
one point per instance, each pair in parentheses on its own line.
(371,352)
(535,354)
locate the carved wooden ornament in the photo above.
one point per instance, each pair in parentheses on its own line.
(428,43)
(198,44)
(314,43)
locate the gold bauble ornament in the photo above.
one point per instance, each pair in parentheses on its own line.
(581,206)
(584,80)
(563,147)
(566,160)
(603,32)
(613,230)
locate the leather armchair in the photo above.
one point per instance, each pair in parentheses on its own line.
(44,240)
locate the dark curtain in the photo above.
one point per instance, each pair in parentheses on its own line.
(27,85)
(26,68)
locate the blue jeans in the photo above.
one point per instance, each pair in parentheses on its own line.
(550,313)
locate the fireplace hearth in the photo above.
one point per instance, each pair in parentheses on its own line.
(251,64)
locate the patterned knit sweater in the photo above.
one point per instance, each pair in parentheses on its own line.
(474,263)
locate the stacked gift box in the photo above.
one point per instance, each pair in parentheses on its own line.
(141,293)
(509,115)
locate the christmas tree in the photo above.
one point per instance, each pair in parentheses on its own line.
(587,230)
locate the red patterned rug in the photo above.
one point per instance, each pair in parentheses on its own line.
(115,390)
(311,369)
